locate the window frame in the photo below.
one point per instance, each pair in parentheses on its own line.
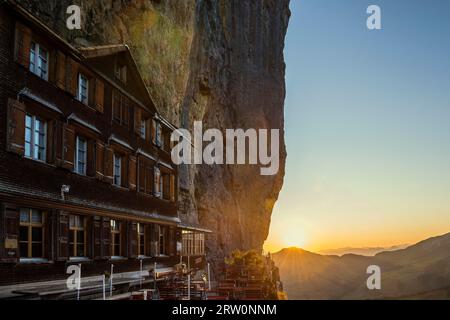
(115,175)
(77,153)
(141,236)
(30,225)
(116,229)
(32,141)
(36,59)
(81,77)
(75,229)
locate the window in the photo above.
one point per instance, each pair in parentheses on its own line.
(35,138)
(39,60)
(146,180)
(193,243)
(121,72)
(157,133)
(117,170)
(141,239)
(115,238)
(143,129)
(162,240)
(83,89)
(158,183)
(31,236)
(77,240)
(81,156)
(121,108)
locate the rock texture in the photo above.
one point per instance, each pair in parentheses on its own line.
(216,61)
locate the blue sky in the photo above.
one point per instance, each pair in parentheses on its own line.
(367,125)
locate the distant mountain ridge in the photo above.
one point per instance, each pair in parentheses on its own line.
(418,271)
(365,251)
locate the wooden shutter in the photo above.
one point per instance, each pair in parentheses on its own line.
(58,142)
(99,160)
(9,233)
(71,76)
(154,131)
(91,161)
(132,172)
(106,238)
(69,148)
(124,171)
(60,70)
(172,187)
(22,45)
(116,105)
(63,237)
(89,230)
(99,95)
(141,175)
(16,127)
(132,240)
(166,186)
(125,111)
(50,142)
(109,165)
(148,130)
(172,250)
(97,238)
(137,120)
(124,241)
(150,179)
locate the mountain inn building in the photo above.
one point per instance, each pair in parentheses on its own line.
(86,176)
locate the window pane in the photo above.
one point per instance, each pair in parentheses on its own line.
(36,216)
(36,234)
(24,215)
(71,237)
(80,250)
(80,236)
(36,250)
(23,249)
(23,234)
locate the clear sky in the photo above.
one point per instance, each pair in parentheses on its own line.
(367,125)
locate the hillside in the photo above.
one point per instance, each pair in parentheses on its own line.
(419,271)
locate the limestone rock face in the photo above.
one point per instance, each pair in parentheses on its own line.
(216,61)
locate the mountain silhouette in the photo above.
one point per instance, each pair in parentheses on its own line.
(420,271)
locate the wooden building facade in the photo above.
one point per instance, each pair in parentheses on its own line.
(85,168)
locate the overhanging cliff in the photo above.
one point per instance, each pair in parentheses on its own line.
(216,61)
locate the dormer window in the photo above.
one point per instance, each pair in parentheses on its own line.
(39,60)
(121,72)
(83,89)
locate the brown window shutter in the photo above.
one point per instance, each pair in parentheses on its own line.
(16,127)
(71,76)
(63,237)
(150,179)
(132,240)
(109,166)
(99,160)
(172,242)
(141,175)
(132,172)
(124,238)
(58,142)
(116,105)
(172,187)
(125,111)
(51,142)
(106,238)
(52,67)
(97,238)
(137,120)
(154,237)
(154,131)
(91,159)
(148,130)
(166,186)
(9,233)
(124,167)
(22,45)
(89,236)
(99,95)
(69,148)
(61,70)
